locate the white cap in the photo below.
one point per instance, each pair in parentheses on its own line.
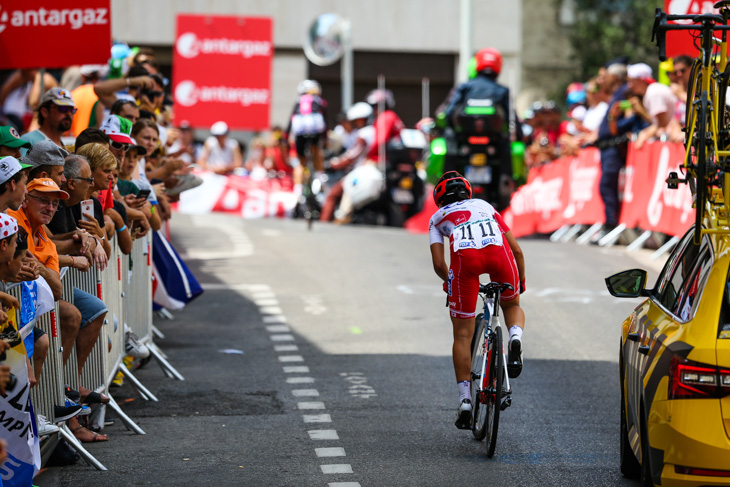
(640,71)
(219,128)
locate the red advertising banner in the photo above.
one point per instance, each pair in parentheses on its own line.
(54,33)
(566,191)
(661,209)
(681,41)
(222,71)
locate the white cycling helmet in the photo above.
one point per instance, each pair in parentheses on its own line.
(309,87)
(359,110)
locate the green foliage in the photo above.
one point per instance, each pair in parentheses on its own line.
(606,29)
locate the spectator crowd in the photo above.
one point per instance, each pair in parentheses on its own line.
(86,164)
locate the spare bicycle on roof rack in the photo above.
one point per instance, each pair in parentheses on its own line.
(707,134)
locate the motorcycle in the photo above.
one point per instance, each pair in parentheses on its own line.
(390,198)
(478,147)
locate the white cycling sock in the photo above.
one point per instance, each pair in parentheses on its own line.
(464,392)
(515,331)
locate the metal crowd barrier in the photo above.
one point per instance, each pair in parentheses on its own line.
(125,286)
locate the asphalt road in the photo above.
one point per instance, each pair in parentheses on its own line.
(324,358)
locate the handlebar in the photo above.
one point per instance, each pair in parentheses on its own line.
(702,22)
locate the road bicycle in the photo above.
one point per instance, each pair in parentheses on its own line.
(309,206)
(490,388)
(707,138)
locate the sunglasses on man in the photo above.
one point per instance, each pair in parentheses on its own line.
(65,109)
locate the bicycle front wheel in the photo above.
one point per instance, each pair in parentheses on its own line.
(494,396)
(478,364)
(701,167)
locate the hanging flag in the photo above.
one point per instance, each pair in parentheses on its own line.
(175,285)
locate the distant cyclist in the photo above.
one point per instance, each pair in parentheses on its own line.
(477,235)
(308,128)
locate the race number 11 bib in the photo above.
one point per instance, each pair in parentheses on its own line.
(477,234)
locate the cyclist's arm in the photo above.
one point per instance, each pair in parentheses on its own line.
(439,262)
(517,252)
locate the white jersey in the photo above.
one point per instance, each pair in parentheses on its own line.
(468,224)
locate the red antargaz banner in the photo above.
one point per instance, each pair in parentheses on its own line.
(222,71)
(54,33)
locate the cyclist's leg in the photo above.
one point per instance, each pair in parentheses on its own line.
(463,291)
(461,350)
(315,147)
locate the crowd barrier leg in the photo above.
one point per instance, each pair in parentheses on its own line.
(586,236)
(611,237)
(141,390)
(165,314)
(572,232)
(665,248)
(128,423)
(558,234)
(639,241)
(168,369)
(157,333)
(88,457)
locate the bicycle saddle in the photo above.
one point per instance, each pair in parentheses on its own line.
(491,288)
(723,4)
(718,19)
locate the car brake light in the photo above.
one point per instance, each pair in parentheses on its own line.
(701,471)
(475,140)
(689,380)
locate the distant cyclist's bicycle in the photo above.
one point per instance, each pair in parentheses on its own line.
(490,389)
(309,206)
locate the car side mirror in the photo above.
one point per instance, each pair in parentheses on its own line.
(627,284)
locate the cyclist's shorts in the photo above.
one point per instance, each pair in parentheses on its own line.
(466,267)
(303,141)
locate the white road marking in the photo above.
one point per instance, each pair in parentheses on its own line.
(258,287)
(313,305)
(282,338)
(274,319)
(343,484)
(263,295)
(323,435)
(285,348)
(310,405)
(305,392)
(221,286)
(296,369)
(317,418)
(340,468)
(266,302)
(278,329)
(421,289)
(299,380)
(291,358)
(334,451)
(270,310)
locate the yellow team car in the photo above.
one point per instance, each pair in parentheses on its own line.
(675,368)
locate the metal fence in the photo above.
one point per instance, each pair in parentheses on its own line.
(125,286)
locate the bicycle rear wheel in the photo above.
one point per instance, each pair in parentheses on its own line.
(479,410)
(494,384)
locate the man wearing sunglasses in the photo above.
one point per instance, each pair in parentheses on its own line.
(55,116)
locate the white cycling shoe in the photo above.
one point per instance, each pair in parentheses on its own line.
(463,415)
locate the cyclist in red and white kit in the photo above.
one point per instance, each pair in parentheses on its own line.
(481,243)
